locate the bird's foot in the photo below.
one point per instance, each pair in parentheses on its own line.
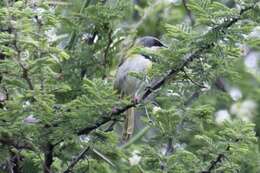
(136,99)
(114,110)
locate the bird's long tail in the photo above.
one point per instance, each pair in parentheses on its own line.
(128,128)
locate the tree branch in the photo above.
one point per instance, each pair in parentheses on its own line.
(15,162)
(25,70)
(15,41)
(218,159)
(18,144)
(192,81)
(192,20)
(48,158)
(110,40)
(215,162)
(169,75)
(76,160)
(26,77)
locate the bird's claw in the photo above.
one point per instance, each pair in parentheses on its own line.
(136,99)
(114,109)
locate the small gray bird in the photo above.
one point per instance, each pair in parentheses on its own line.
(129,85)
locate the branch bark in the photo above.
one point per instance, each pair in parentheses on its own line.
(105,61)
(48,158)
(215,162)
(15,162)
(192,20)
(25,74)
(76,160)
(193,81)
(16,143)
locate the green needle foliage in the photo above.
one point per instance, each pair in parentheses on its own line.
(59,111)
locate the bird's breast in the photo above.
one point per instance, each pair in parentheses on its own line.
(127,84)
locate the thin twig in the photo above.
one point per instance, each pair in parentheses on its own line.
(219,159)
(111,126)
(192,20)
(194,96)
(215,162)
(76,160)
(25,70)
(73,35)
(26,77)
(194,82)
(15,43)
(169,148)
(9,166)
(106,52)
(15,159)
(135,138)
(48,158)
(102,156)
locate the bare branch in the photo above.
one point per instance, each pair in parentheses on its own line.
(215,162)
(193,97)
(110,40)
(194,82)
(25,70)
(16,143)
(15,162)
(192,20)
(102,156)
(218,159)
(48,158)
(17,49)
(76,160)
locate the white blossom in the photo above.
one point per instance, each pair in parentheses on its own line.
(51,35)
(135,159)
(235,94)
(2,97)
(156,109)
(171,93)
(221,116)
(31,119)
(244,110)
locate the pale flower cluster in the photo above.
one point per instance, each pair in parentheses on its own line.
(135,158)
(244,110)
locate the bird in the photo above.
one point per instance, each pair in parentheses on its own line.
(128,85)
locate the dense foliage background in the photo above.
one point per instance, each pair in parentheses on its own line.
(60,113)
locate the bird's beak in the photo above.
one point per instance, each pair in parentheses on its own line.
(163,45)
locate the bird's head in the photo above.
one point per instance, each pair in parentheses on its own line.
(150,42)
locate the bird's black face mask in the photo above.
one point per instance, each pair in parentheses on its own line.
(150,42)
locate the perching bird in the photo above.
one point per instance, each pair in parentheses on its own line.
(129,85)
